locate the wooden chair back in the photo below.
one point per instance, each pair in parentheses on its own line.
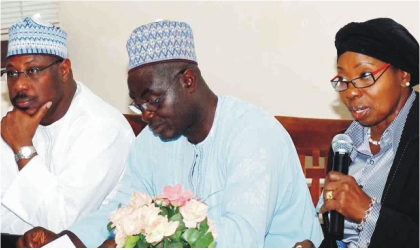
(312,139)
(137,124)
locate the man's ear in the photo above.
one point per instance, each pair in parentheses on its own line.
(65,70)
(189,80)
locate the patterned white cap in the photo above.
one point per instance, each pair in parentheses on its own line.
(160,41)
(32,35)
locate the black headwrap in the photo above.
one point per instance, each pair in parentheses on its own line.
(383,39)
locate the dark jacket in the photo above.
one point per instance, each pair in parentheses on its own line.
(398,222)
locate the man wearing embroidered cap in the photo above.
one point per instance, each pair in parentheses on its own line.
(231,153)
(57,137)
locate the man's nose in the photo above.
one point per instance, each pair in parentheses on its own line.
(146,115)
(22,82)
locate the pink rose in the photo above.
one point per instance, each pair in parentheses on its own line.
(193,212)
(162,201)
(175,195)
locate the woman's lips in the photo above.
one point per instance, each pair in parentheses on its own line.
(359,112)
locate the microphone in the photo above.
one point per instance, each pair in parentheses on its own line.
(342,145)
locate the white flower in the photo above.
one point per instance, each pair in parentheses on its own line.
(116,216)
(139,199)
(159,227)
(212,228)
(193,212)
(149,212)
(132,224)
(120,237)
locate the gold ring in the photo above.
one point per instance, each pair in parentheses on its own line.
(328,195)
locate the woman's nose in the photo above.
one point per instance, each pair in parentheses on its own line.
(352,92)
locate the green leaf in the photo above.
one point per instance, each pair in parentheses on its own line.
(172,211)
(211,245)
(119,205)
(191,235)
(178,217)
(176,236)
(174,216)
(131,241)
(109,227)
(164,211)
(165,242)
(203,227)
(174,244)
(141,244)
(158,244)
(181,226)
(142,237)
(204,241)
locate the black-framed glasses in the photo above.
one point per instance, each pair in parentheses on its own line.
(365,80)
(152,105)
(32,72)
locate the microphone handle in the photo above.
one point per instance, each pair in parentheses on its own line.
(340,164)
(336,225)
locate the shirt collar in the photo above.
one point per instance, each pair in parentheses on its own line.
(392,134)
(210,136)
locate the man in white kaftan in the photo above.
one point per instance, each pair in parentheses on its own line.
(80,159)
(79,155)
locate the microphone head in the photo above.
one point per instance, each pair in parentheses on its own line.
(342,144)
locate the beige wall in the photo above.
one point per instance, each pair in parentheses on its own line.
(279,55)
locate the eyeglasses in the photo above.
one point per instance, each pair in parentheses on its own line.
(32,72)
(364,81)
(152,105)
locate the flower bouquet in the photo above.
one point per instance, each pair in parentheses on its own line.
(171,219)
